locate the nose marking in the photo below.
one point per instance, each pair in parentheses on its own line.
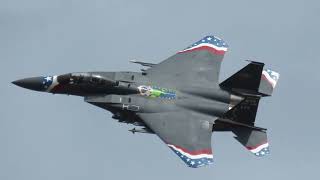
(40,83)
(54,83)
(47,81)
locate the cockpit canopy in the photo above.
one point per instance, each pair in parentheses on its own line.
(85,78)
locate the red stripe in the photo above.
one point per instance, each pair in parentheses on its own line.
(265,78)
(206,48)
(57,88)
(196,152)
(255,147)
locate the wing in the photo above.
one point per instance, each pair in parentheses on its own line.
(187,134)
(198,64)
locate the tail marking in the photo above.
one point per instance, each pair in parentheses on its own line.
(271,76)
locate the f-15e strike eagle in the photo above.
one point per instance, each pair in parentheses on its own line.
(180,99)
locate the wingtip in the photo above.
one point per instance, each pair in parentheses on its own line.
(198,164)
(218,38)
(211,43)
(193,160)
(261,150)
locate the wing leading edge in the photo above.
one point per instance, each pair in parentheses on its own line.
(187,134)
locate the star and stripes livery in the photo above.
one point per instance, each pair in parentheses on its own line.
(47,81)
(50,83)
(260,150)
(180,99)
(193,159)
(271,76)
(213,44)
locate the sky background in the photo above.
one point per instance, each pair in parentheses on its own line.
(44,136)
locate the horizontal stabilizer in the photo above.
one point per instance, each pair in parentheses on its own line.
(254,140)
(230,123)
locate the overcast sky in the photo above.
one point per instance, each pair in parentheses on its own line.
(44,136)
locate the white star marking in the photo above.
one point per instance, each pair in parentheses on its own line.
(209,38)
(192,163)
(48,78)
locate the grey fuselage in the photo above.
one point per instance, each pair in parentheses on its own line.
(127,93)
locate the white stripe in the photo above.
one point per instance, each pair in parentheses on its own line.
(54,83)
(259,148)
(206,44)
(272,81)
(190,155)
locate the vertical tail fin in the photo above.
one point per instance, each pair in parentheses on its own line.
(244,112)
(252,79)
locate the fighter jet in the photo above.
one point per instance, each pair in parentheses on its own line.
(179,99)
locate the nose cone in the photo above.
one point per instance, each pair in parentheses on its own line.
(34,83)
